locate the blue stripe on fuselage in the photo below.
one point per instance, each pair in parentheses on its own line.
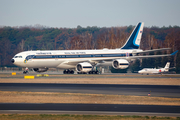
(77,56)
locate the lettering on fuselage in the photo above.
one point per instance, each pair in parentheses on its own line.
(74,52)
(44,53)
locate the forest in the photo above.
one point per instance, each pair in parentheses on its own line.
(16,39)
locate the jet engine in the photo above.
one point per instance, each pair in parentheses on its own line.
(84,67)
(120,64)
(40,69)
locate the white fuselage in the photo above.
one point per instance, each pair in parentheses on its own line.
(152,71)
(62,58)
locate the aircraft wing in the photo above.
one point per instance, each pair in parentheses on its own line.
(148,51)
(151,56)
(145,56)
(75,62)
(101,60)
(171,68)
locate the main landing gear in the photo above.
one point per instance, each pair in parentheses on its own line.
(90,72)
(94,72)
(68,71)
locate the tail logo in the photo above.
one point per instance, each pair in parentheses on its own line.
(25,61)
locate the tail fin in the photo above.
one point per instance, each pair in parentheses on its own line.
(134,39)
(167,65)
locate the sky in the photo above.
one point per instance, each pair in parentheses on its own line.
(100,13)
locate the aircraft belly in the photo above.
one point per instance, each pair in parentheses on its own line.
(105,64)
(63,66)
(43,63)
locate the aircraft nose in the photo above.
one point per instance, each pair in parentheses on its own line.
(12,60)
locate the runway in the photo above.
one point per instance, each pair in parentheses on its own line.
(111,109)
(171,91)
(114,89)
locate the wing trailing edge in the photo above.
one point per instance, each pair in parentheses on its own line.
(151,56)
(153,50)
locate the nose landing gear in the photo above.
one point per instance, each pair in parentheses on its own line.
(25,71)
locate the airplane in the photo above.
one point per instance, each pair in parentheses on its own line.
(85,61)
(154,70)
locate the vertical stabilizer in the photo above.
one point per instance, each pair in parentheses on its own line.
(167,65)
(134,39)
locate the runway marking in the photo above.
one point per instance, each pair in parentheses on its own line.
(28,77)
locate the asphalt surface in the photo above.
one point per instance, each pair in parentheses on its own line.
(115,89)
(117,109)
(171,91)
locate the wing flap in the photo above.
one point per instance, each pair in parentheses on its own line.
(154,50)
(147,56)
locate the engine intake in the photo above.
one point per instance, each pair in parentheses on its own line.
(84,67)
(40,69)
(120,64)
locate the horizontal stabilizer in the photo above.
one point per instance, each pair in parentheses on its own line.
(174,52)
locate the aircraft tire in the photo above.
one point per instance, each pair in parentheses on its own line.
(25,72)
(97,72)
(64,72)
(71,72)
(68,72)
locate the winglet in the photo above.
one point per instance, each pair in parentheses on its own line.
(174,52)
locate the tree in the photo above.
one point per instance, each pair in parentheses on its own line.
(21,46)
(44,38)
(178,63)
(158,60)
(135,67)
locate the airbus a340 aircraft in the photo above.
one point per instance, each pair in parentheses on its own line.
(154,70)
(84,61)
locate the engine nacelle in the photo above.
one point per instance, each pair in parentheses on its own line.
(120,64)
(84,67)
(40,69)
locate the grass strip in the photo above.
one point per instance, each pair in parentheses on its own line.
(51,97)
(80,117)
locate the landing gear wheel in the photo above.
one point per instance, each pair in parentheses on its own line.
(71,72)
(90,72)
(25,72)
(97,72)
(68,72)
(94,72)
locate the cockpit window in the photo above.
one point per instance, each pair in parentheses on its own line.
(18,57)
